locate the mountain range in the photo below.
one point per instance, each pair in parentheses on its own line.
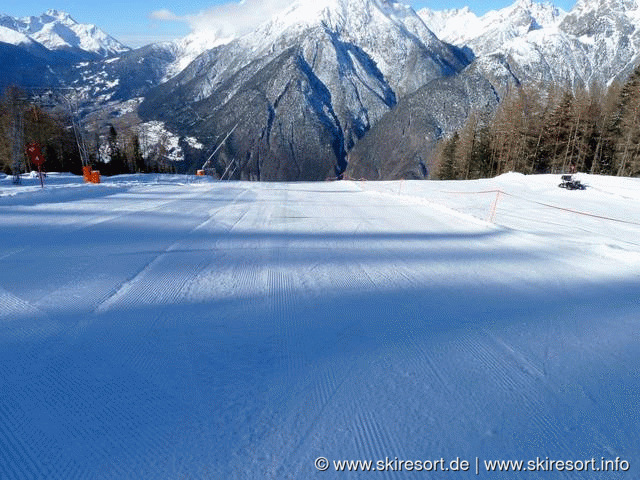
(597,41)
(57,31)
(327,86)
(38,51)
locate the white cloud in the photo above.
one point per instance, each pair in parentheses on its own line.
(227,20)
(165,15)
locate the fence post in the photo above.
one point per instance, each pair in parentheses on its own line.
(494,207)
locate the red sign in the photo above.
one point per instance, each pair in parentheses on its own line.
(35,154)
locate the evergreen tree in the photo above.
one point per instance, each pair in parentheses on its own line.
(480,161)
(118,163)
(628,139)
(608,130)
(559,130)
(465,147)
(447,169)
(136,156)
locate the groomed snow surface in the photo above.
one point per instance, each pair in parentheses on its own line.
(172,327)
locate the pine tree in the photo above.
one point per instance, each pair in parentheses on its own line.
(137,159)
(118,162)
(608,130)
(627,146)
(447,168)
(465,146)
(480,161)
(559,133)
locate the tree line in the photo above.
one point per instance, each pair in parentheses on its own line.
(114,155)
(111,152)
(548,130)
(535,129)
(25,122)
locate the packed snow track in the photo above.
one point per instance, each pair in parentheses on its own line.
(168,327)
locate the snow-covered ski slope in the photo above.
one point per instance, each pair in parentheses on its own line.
(167,327)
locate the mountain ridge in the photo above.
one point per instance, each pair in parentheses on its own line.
(593,42)
(56,30)
(363,54)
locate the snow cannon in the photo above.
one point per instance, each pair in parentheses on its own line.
(90,175)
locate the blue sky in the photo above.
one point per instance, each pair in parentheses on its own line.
(131,21)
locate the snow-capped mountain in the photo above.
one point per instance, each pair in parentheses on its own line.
(456,26)
(305,85)
(609,31)
(398,145)
(597,41)
(12,37)
(187,49)
(387,30)
(390,32)
(489,33)
(57,31)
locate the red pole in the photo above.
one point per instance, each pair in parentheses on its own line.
(495,207)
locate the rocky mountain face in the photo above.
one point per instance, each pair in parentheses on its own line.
(25,62)
(597,41)
(399,145)
(609,30)
(528,42)
(305,86)
(379,65)
(125,77)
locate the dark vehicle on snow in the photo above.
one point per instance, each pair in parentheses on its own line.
(571,183)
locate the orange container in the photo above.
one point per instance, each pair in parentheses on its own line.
(86,173)
(95,176)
